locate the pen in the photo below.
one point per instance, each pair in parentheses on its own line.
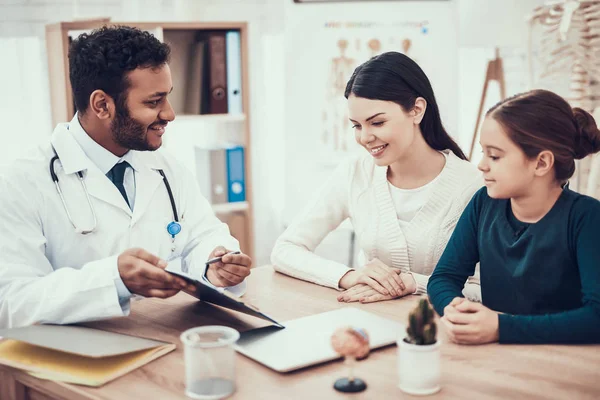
(217,259)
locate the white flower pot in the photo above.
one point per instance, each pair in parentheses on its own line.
(418,368)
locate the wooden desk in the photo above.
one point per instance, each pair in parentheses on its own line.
(491,371)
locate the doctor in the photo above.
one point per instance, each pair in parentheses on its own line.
(90,218)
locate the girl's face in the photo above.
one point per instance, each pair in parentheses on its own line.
(383,128)
(507,171)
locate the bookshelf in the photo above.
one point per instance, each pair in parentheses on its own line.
(192,126)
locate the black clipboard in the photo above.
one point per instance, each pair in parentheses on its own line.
(222,298)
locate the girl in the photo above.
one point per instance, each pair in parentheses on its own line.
(537,240)
(403,198)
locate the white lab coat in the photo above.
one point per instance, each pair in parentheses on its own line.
(51,274)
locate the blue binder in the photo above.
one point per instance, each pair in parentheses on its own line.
(236,180)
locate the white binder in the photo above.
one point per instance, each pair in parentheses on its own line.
(233,47)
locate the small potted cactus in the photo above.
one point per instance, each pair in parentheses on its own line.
(419,353)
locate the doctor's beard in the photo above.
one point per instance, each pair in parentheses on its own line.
(129,133)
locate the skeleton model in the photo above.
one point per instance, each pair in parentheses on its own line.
(568,36)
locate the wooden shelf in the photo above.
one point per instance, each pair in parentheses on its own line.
(175,25)
(225,208)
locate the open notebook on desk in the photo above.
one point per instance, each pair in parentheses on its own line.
(217,296)
(75,354)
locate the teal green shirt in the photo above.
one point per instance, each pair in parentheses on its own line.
(544,278)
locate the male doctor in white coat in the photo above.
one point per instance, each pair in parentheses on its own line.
(51,269)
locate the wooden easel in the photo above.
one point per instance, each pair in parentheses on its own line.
(494,72)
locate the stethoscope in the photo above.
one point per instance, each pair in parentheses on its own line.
(173,228)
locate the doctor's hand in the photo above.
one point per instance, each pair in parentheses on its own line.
(143,273)
(467,322)
(380,277)
(231,270)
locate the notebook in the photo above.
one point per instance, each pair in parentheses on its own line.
(78,355)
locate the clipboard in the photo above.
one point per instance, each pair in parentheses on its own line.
(222,298)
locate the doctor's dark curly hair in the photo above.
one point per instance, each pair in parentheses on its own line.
(102,59)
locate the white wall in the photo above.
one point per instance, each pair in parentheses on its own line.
(24,104)
(493,22)
(28,17)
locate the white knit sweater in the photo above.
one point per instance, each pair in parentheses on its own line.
(358,190)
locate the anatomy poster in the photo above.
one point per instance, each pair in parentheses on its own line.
(345,46)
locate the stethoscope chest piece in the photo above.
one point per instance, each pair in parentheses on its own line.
(173,228)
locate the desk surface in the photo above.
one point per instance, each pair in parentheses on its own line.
(490,371)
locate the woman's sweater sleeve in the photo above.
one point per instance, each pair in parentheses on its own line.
(580,325)
(459,258)
(293,252)
(449,225)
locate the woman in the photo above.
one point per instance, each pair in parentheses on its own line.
(403,198)
(536,240)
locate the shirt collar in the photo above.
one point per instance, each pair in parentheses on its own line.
(97,154)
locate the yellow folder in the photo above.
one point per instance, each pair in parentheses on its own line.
(77,355)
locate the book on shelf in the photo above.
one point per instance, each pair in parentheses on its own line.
(220,173)
(214,78)
(196,84)
(217,72)
(234,72)
(181,43)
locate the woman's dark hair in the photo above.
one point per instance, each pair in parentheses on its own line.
(102,59)
(542,120)
(393,76)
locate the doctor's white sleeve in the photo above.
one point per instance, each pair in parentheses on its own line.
(31,289)
(206,231)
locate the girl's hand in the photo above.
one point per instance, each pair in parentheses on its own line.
(467,322)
